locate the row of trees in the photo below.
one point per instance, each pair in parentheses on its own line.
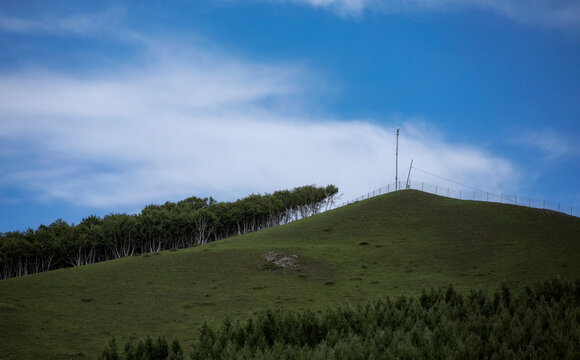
(540,322)
(187,223)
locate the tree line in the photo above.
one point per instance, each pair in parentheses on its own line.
(539,322)
(183,224)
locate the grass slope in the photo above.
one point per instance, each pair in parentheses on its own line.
(393,244)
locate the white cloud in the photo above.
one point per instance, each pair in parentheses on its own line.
(204,123)
(79,24)
(550,142)
(553,13)
(345,7)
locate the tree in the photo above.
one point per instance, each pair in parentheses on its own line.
(205,224)
(158,227)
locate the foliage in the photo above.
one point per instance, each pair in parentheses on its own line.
(542,321)
(149,349)
(189,222)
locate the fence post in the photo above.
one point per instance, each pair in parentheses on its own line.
(515,199)
(487,199)
(558,206)
(474,195)
(447,192)
(435,189)
(421,186)
(501,198)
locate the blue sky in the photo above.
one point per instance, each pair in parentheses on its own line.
(109,106)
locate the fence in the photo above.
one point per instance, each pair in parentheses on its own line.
(475,195)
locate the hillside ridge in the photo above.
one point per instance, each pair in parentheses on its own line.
(393,244)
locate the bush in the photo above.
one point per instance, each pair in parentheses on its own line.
(542,321)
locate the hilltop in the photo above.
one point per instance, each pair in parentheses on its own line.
(393,244)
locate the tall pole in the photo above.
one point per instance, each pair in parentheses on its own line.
(409,175)
(397,163)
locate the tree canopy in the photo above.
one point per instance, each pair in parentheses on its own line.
(183,224)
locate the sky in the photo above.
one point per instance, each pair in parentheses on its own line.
(108,106)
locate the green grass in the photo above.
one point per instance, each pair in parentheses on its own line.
(393,244)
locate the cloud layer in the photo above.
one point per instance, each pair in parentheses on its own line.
(202,122)
(553,13)
(551,143)
(78,24)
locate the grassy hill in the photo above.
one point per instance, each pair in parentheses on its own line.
(393,244)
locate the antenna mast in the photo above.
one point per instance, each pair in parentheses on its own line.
(397,163)
(408,185)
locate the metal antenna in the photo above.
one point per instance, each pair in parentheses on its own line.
(397,163)
(409,175)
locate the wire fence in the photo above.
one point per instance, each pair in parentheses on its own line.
(470,194)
